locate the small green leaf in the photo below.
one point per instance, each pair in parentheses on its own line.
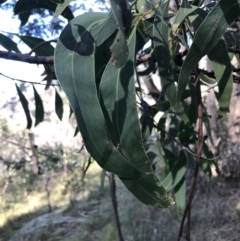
(44,50)
(223,71)
(182,13)
(8,44)
(174,176)
(58,105)
(24,103)
(160,41)
(62,4)
(180,196)
(39,111)
(119,47)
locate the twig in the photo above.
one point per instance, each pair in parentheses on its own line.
(25,81)
(26,58)
(41,44)
(197,163)
(115,206)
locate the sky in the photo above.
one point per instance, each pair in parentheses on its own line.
(20,70)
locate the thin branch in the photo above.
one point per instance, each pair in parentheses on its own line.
(26,58)
(25,81)
(197,163)
(41,44)
(115,206)
(233,50)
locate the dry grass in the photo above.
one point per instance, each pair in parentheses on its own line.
(215,215)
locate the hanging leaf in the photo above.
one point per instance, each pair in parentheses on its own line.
(80,87)
(8,44)
(182,13)
(58,105)
(207,36)
(24,103)
(160,41)
(43,50)
(104,29)
(223,71)
(119,47)
(39,111)
(176,173)
(180,196)
(62,4)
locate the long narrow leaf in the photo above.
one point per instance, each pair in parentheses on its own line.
(24,103)
(223,71)
(160,41)
(207,36)
(58,105)
(39,111)
(60,8)
(176,174)
(8,43)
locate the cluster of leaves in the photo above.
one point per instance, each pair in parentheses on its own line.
(95,63)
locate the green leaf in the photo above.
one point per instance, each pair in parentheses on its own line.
(39,111)
(8,44)
(58,105)
(176,179)
(60,8)
(119,48)
(176,174)
(24,103)
(104,30)
(223,71)
(43,50)
(76,72)
(23,6)
(206,79)
(180,196)
(182,13)
(207,36)
(160,41)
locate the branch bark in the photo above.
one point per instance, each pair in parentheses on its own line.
(201,140)
(26,58)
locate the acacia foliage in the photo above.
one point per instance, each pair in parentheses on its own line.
(95,62)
